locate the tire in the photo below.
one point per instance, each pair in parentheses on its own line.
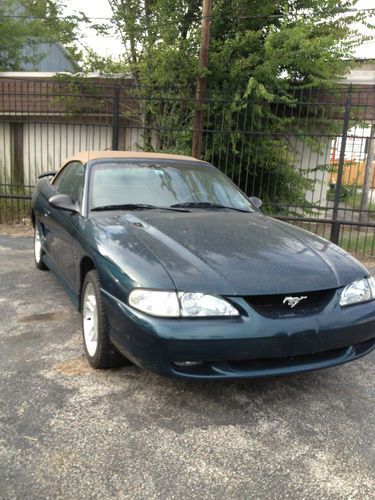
(38,250)
(99,350)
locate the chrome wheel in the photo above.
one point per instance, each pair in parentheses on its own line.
(37,245)
(90,319)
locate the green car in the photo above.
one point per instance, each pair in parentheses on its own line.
(176,270)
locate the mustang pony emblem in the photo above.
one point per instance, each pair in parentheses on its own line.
(293,301)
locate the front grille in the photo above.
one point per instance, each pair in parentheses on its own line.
(272,306)
(302,359)
(286,365)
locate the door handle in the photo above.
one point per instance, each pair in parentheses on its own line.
(46,212)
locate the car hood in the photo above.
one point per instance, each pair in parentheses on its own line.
(232,253)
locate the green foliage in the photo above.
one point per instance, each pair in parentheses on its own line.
(75,96)
(13,209)
(357,242)
(352,239)
(347,193)
(38,21)
(264,54)
(351,196)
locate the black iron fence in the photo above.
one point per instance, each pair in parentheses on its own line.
(309,156)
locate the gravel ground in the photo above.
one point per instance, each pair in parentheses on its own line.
(67,431)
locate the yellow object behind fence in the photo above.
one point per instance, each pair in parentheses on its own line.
(353,174)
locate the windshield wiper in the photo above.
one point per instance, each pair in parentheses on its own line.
(136,206)
(206,204)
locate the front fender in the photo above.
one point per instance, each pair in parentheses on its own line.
(122,263)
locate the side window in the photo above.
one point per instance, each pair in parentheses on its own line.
(70,180)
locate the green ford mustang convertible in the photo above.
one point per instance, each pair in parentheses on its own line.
(176,270)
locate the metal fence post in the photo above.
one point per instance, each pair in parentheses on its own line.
(335,228)
(115,117)
(368,177)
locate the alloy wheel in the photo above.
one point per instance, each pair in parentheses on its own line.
(90,319)
(37,245)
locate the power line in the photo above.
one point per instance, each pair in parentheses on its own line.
(255,16)
(166,23)
(49,18)
(279,16)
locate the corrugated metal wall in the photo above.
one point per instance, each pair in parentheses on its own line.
(52,57)
(47,145)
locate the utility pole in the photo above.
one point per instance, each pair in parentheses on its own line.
(202,79)
(368,178)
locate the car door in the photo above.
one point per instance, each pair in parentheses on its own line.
(61,224)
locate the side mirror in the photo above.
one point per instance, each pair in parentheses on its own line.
(257,202)
(50,173)
(63,202)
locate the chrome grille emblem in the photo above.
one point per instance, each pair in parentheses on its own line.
(293,301)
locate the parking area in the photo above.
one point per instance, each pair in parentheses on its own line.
(67,431)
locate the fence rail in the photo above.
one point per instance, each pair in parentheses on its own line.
(308,156)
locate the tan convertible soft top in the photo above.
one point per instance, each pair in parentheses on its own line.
(84,156)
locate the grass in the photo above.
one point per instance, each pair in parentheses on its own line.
(358,242)
(13,211)
(351,197)
(352,239)
(354,201)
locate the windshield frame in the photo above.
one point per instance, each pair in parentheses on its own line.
(158,161)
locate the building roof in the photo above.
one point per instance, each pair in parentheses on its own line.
(85,156)
(51,57)
(50,74)
(363,74)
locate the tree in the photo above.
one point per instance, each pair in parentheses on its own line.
(262,53)
(26,24)
(276,44)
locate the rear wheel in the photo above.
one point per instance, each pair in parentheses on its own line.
(99,350)
(38,249)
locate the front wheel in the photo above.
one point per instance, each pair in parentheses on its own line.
(100,352)
(38,249)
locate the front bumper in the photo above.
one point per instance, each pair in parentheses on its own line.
(249,346)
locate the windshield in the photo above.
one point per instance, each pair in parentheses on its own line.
(162,185)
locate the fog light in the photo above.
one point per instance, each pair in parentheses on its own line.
(186,364)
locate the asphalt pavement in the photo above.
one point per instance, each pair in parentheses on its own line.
(67,431)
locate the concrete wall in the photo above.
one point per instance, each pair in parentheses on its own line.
(310,159)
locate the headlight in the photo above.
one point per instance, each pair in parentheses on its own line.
(200,304)
(173,305)
(359,291)
(155,302)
